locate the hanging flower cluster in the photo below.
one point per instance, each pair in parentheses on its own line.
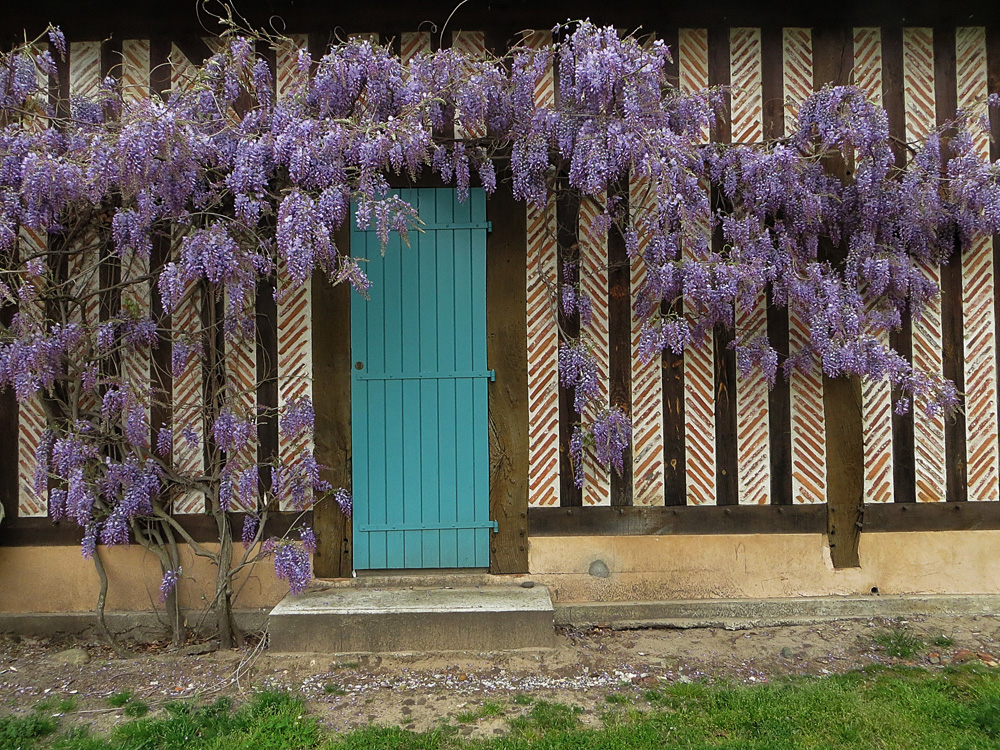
(202,194)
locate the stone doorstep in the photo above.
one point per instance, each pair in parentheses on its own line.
(406,619)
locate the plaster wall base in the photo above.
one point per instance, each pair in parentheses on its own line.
(637,568)
(59,579)
(762,566)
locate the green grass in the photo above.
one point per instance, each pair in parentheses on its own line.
(898,642)
(269,721)
(332,688)
(546,719)
(53,704)
(943,641)
(120,699)
(879,707)
(23,731)
(487,709)
(135,709)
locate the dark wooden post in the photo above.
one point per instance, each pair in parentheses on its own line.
(507,354)
(833,51)
(845,476)
(331,321)
(726,439)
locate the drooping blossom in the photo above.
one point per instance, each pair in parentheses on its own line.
(169,583)
(298,418)
(612,434)
(291,564)
(344,501)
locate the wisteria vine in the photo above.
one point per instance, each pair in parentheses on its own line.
(221,185)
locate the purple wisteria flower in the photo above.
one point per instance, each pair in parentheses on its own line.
(576,443)
(291,564)
(344,501)
(308,539)
(251,522)
(578,370)
(58,40)
(232,433)
(298,418)
(169,583)
(612,434)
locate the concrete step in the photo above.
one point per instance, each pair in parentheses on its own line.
(392,620)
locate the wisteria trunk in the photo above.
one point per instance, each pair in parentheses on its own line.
(223,584)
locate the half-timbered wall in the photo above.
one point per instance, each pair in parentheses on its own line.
(739,444)
(702,436)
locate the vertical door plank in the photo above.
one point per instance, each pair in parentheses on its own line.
(430,455)
(480,423)
(412,409)
(450,408)
(376,412)
(359,417)
(465,445)
(394,486)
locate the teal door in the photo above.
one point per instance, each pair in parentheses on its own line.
(419,423)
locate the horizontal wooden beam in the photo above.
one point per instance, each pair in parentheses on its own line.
(756,519)
(613,521)
(90,19)
(689,519)
(41,532)
(967,516)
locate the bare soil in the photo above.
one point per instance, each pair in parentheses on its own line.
(419,691)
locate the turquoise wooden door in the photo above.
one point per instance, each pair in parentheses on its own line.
(419,422)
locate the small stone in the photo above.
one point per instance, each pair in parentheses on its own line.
(683,679)
(527,584)
(72,656)
(984,657)
(599,569)
(787,653)
(197,649)
(934,657)
(962,656)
